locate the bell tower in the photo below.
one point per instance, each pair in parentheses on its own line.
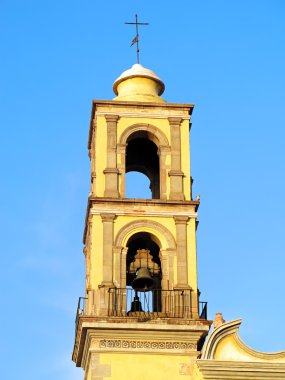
(141,316)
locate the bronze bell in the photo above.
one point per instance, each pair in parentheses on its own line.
(143,281)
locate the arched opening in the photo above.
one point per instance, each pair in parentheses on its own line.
(143,253)
(142,157)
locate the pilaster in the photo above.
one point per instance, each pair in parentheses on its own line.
(163,152)
(175,174)
(181,239)
(111,172)
(108,237)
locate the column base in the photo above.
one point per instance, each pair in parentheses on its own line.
(106,284)
(176,197)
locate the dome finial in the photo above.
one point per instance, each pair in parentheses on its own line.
(136,39)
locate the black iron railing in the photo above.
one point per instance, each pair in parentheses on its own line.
(203,310)
(156,303)
(80,310)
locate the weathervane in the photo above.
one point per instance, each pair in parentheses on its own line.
(136,39)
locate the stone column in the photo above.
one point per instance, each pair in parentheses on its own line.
(124,278)
(117,266)
(121,151)
(111,172)
(165,280)
(181,239)
(163,151)
(108,232)
(164,269)
(123,282)
(171,255)
(175,174)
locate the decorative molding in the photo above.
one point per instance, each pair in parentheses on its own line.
(98,211)
(240,370)
(175,173)
(111,170)
(149,345)
(139,114)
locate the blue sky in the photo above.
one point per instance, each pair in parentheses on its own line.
(227,57)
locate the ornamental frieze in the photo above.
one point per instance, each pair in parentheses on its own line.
(149,345)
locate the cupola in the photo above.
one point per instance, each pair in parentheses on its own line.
(139,84)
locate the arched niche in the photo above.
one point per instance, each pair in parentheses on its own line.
(160,235)
(147,147)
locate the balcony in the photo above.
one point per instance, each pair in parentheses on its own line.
(157,303)
(166,312)
(154,304)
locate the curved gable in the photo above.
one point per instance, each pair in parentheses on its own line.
(224,343)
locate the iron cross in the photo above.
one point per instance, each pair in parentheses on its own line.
(136,39)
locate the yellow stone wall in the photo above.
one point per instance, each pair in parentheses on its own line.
(118,366)
(145,366)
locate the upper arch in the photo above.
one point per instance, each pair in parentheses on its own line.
(147,130)
(163,235)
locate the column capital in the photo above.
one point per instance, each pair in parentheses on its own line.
(111,118)
(181,219)
(175,173)
(125,250)
(117,249)
(121,148)
(175,121)
(111,170)
(107,217)
(164,149)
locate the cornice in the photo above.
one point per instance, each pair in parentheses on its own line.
(115,104)
(180,216)
(138,207)
(121,103)
(231,370)
(129,335)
